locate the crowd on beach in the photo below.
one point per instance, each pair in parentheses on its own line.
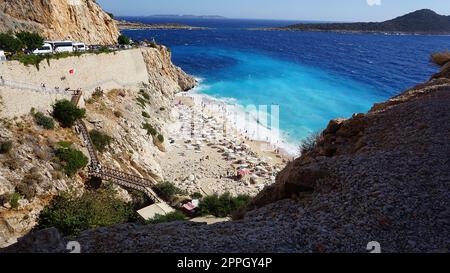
(219,156)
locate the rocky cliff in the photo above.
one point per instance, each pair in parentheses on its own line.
(382,176)
(145,80)
(78,20)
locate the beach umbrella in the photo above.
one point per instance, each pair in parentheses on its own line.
(243,172)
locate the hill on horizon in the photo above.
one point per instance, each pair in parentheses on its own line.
(423,21)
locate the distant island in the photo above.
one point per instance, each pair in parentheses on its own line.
(423,21)
(126,25)
(188,16)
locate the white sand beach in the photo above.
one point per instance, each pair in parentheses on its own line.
(206,153)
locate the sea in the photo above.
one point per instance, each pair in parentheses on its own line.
(311,77)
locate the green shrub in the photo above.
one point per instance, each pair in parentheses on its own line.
(170,217)
(169,190)
(6,147)
(67,113)
(141,102)
(144,94)
(93,209)
(196,195)
(440,58)
(100,140)
(98,93)
(44,121)
(161,138)
(14,201)
(10,43)
(150,129)
(65,144)
(72,160)
(31,40)
(31,59)
(145,115)
(123,40)
(222,206)
(153,44)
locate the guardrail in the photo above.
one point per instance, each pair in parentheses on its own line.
(34,88)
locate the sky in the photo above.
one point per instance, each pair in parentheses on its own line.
(320,10)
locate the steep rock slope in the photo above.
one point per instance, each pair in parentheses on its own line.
(382,176)
(79,20)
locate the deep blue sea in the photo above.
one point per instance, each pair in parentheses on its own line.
(312,76)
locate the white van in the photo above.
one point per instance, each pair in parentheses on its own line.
(45,49)
(80,47)
(61,46)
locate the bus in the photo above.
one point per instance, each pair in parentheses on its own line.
(61,46)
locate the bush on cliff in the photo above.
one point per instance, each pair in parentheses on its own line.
(72,160)
(44,121)
(161,138)
(123,40)
(223,205)
(93,209)
(14,200)
(169,190)
(170,217)
(66,113)
(150,129)
(440,58)
(100,140)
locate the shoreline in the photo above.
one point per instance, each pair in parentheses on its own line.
(125,25)
(206,154)
(385,33)
(245,123)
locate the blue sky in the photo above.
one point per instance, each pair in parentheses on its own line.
(330,10)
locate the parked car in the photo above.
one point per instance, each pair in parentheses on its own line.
(79,47)
(45,49)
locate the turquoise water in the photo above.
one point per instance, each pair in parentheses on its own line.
(307,97)
(313,77)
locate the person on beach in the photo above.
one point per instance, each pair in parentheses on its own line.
(2,80)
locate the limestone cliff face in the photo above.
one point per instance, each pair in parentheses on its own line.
(163,74)
(78,20)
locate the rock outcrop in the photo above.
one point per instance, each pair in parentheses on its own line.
(382,176)
(163,74)
(78,20)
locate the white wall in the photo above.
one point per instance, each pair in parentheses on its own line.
(114,70)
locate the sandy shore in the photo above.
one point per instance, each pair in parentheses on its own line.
(206,154)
